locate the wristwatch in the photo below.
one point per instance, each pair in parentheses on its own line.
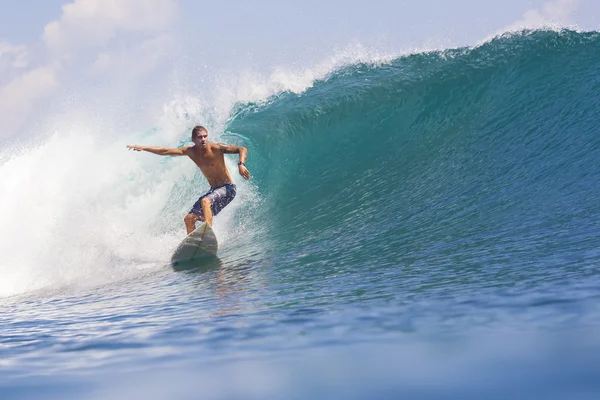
(241,163)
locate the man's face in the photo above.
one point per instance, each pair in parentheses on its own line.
(201,139)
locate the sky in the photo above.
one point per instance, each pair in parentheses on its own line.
(54,48)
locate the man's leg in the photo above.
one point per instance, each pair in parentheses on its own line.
(216,200)
(197,214)
(190,222)
(213,202)
(206,211)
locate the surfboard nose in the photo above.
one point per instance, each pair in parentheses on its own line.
(202,242)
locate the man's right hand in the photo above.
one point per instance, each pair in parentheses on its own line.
(135,147)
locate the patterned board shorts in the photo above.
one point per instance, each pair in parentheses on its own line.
(219,197)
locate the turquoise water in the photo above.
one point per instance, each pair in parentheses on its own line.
(424,227)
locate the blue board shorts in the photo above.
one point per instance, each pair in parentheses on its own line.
(219,197)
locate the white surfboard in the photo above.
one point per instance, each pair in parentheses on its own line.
(202,242)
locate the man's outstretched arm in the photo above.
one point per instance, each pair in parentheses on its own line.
(243,152)
(161,151)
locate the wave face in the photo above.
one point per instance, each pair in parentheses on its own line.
(474,163)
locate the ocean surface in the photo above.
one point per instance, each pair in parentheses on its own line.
(424,226)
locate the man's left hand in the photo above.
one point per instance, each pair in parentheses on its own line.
(244,172)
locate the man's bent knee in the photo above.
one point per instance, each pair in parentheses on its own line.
(190,218)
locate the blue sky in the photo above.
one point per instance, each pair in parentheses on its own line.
(330,20)
(47,45)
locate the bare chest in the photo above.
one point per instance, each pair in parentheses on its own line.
(209,160)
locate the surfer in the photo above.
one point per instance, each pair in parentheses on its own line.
(209,158)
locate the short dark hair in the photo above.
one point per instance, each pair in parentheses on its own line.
(197,129)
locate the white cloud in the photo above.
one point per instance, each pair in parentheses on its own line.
(12,56)
(91,36)
(95,22)
(551,14)
(19,95)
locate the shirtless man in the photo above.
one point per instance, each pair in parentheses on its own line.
(209,158)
